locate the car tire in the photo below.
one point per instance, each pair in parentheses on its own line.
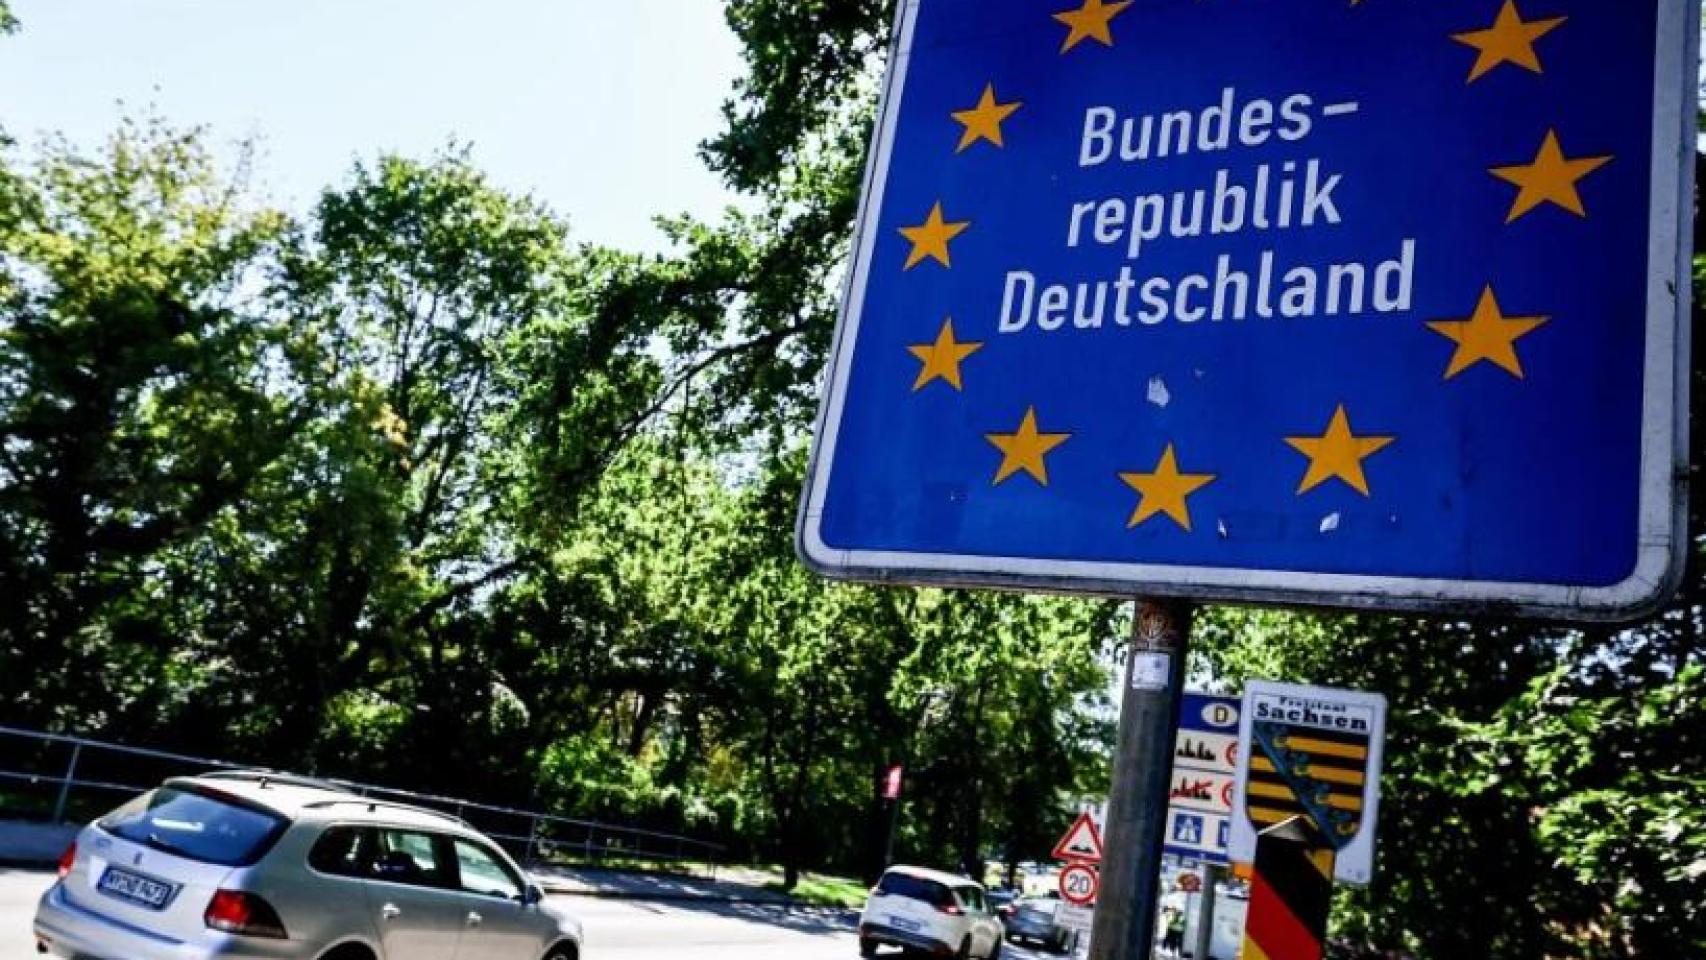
(995,951)
(867,948)
(562,953)
(965,950)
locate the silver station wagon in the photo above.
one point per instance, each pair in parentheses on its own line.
(251,865)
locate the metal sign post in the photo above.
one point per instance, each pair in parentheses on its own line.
(1143,765)
(1205,913)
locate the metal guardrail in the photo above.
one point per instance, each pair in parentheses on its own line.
(547,837)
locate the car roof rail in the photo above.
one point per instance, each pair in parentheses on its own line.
(374,805)
(265,777)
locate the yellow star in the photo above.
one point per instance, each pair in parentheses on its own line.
(1488,335)
(1025,449)
(1165,490)
(930,238)
(1090,22)
(1337,453)
(942,358)
(1509,40)
(983,122)
(1551,178)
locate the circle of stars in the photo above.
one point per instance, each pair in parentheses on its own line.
(1488,336)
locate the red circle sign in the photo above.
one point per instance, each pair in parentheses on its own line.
(1079,883)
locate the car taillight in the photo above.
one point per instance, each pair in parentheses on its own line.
(66,859)
(234,911)
(951,910)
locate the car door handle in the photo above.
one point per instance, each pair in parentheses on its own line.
(390,911)
(475,919)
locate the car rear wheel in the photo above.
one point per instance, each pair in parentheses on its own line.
(965,950)
(995,951)
(562,953)
(867,948)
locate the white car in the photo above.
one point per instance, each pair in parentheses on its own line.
(929,911)
(251,866)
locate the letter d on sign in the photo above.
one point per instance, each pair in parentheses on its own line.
(1015,280)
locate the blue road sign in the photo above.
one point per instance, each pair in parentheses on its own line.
(1187,828)
(1205,755)
(1352,303)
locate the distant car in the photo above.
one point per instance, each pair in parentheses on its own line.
(250,866)
(1002,901)
(1033,919)
(925,910)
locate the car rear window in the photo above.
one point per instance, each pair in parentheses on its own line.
(197,826)
(1042,909)
(915,888)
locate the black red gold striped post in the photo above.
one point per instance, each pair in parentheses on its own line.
(1291,893)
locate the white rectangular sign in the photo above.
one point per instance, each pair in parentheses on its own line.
(1316,753)
(1201,790)
(1081,919)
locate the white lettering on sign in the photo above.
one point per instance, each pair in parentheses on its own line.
(1270,196)
(1220,126)
(1262,289)
(1282,198)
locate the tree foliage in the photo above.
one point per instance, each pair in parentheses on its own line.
(412,475)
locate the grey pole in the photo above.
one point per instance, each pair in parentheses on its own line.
(1143,767)
(1205,914)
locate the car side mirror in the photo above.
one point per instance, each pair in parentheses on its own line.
(533,897)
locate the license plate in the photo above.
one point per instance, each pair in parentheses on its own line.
(901,923)
(137,889)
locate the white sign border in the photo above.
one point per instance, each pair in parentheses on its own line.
(1662,539)
(1355,863)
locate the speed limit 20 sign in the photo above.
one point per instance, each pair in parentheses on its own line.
(1079,883)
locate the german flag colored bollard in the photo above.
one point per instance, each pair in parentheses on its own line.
(1290,894)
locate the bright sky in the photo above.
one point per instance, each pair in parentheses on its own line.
(597,108)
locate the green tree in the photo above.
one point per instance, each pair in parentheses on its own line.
(137,397)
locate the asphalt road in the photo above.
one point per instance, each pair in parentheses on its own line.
(615,929)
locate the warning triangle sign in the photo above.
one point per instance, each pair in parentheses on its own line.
(1082,844)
